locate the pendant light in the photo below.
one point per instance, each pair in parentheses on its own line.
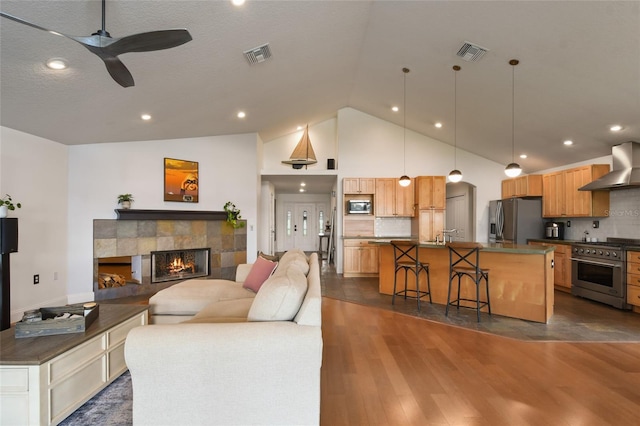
(455,175)
(404,179)
(513,169)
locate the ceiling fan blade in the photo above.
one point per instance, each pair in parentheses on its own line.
(118,71)
(32,25)
(150,41)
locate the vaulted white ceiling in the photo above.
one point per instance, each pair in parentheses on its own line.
(579,71)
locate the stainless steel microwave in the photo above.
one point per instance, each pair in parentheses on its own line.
(359,206)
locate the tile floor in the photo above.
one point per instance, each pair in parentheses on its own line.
(574,319)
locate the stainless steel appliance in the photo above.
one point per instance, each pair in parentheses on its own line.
(515,220)
(359,206)
(598,271)
(554,230)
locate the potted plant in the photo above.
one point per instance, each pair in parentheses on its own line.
(6,204)
(233,215)
(125,201)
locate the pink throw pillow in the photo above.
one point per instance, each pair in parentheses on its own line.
(260,271)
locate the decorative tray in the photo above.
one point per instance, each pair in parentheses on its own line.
(54,320)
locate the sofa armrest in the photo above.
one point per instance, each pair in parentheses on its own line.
(247,373)
(242,271)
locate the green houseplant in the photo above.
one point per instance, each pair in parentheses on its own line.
(6,203)
(125,200)
(233,215)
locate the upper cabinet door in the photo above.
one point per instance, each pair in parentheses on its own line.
(431,192)
(393,200)
(359,186)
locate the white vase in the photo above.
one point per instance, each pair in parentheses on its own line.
(4,211)
(126,205)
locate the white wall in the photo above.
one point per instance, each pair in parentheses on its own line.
(99,172)
(34,171)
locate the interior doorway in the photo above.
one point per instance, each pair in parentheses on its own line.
(461,212)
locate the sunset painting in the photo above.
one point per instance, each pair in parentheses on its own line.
(180,180)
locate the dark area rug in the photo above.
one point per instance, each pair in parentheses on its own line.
(113,406)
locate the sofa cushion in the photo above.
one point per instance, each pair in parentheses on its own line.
(280,297)
(271,257)
(260,271)
(191,296)
(223,311)
(293,258)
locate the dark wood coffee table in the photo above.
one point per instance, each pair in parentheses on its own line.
(44,379)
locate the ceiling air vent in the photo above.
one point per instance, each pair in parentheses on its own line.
(258,54)
(471,52)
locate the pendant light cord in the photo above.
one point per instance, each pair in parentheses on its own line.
(404,119)
(455,116)
(513,64)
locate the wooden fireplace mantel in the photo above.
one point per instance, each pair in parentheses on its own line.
(135,214)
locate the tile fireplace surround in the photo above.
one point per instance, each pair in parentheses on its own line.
(138,233)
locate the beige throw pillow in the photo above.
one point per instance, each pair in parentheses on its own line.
(280,297)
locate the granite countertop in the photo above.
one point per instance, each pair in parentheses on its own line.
(487,247)
(551,241)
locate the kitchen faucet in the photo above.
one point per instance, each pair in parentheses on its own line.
(448,231)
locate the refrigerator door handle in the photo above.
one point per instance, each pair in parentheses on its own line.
(499,221)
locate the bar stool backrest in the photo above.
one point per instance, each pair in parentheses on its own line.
(405,253)
(464,255)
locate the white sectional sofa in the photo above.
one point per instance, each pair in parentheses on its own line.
(250,360)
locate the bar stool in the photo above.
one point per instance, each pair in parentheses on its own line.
(464,260)
(407,259)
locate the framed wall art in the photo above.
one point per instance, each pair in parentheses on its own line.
(180,180)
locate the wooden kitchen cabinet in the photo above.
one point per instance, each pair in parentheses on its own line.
(561,198)
(360,258)
(427,224)
(562,265)
(393,200)
(522,186)
(358,186)
(633,279)
(430,192)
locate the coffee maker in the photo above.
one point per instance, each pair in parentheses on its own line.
(554,231)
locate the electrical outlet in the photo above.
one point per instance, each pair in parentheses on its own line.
(596,224)
(36,279)
(568,224)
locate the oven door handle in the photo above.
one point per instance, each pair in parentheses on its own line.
(596,263)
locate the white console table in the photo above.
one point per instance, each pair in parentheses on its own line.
(44,379)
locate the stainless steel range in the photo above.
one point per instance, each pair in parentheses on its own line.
(599,271)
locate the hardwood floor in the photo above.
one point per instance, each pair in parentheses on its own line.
(387,368)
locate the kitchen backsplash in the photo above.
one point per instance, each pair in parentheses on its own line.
(392,227)
(623,220)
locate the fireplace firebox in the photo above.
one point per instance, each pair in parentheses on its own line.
(173,265)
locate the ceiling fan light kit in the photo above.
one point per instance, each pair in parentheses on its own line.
(513,169)
(107,48)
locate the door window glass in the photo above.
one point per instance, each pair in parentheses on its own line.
(305,215)
(289,215)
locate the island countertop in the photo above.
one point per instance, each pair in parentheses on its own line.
(486,247)
(520,277)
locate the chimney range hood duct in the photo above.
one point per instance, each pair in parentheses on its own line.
(626,169)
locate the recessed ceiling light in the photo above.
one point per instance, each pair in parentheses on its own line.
(615,128)
(438,125)
(56,64)
(523,155)
(242,114)
(299,128)
(237,2)
(145,117)
(568,142)
(303,184)
(395,109)
(301,190)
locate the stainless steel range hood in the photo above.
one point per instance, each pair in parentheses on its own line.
(626,169)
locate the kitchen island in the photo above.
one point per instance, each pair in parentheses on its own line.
(520,277)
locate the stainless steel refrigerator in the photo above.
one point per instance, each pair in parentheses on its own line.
(515,220)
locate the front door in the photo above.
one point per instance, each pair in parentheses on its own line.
(301,225)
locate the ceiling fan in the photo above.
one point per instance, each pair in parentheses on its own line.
(107,48)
